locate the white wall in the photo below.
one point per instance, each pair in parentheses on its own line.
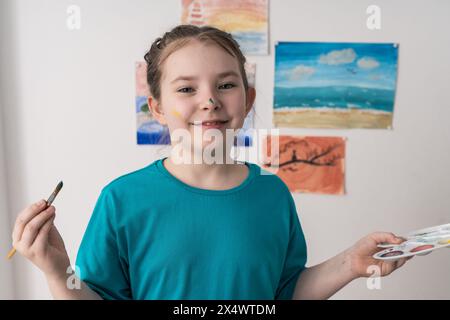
(68,99)
(6,271)
(6,268)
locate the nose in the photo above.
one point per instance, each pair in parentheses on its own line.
(211,104)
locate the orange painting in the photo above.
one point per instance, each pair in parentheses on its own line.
(307,164)
(246,20)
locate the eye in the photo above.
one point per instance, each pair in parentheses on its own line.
(185,90)
(227,86)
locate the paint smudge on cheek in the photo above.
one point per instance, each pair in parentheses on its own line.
(176,114)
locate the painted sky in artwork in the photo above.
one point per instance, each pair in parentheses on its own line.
(246,20)
(312,64)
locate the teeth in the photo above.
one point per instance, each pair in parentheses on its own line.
(208,123)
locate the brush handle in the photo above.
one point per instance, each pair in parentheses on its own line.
(11,253)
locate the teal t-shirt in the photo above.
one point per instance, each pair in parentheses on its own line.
(151,236)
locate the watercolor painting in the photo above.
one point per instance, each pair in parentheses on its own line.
(149,131)
(246,20)
(307,164)
(335,85)
(245,135)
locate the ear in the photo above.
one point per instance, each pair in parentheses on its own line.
(251,95)
(155,108)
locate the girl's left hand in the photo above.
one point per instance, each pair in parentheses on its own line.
(362,251)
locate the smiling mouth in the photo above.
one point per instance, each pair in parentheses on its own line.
(208,123)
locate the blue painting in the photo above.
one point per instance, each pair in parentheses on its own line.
(335,85)
(149,131)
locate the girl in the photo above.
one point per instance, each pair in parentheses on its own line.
(181,229)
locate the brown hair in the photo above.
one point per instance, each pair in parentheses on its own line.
(177,38)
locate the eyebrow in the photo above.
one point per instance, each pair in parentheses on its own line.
(220,76)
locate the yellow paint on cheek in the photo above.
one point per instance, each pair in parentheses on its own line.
(176,113)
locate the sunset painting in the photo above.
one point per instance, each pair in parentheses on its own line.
(246,20)
(307,164)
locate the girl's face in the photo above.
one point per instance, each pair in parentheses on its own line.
(192,77)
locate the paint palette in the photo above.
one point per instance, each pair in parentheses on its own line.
(437,230)
(419,242)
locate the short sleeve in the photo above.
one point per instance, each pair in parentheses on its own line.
(296,256)
(100,263)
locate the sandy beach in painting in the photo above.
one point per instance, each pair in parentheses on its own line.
(331,118)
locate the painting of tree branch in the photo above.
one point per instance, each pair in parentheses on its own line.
(308,164)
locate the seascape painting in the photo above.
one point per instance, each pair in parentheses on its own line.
(335,85)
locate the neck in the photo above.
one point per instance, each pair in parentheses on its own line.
(209,176)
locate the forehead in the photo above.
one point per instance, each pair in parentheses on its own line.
(198,58)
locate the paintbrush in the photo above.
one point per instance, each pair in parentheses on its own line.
(48,204)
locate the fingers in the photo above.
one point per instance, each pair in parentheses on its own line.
(386,237)
(25,216)
(33,227)
(400,263)
(42,237)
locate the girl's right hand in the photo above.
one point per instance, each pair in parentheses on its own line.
(36,238)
